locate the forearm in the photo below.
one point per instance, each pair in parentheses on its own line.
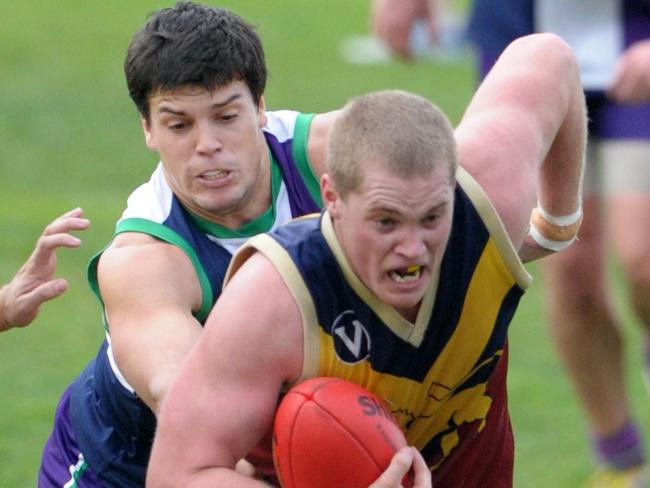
(538,77)
(194,447)
(560,177)
(150,353)
(207,478)
(528,119)
(555,222)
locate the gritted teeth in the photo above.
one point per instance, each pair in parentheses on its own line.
(214,175)
(403,275)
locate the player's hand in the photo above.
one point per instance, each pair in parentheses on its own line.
(245,468)
(34,284)
(631,80)
(391,21)
(405,459)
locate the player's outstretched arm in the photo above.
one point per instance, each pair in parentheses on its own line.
(33,284)
(149,289)
(405,459)
(223,399)
(523,138)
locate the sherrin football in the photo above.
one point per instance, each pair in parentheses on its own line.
(331,433)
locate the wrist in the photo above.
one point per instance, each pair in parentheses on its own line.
(562,220)
(552,232)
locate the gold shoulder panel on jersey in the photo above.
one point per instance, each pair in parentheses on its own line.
(495,226)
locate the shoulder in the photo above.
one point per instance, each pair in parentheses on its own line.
(281,123)
(319,138)
(152,200)
(141,264)
(138,250)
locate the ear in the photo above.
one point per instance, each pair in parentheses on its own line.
(149,139)
(331,198)
(261,112)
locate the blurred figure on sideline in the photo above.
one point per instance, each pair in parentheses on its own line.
(611,41)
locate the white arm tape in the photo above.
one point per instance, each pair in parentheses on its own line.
(548,243)
(562,220)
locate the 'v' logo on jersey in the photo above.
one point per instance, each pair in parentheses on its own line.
(351,339)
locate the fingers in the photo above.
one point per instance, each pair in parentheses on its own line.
(56,235)
(75,212)
(33,283)
(72,220)
(245,468)
(397,469)
(24,308)
(47,291)
(401,462)
(48,243)
(422,474)
(43,293)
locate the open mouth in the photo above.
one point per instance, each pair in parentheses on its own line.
(215,175)
(406,275)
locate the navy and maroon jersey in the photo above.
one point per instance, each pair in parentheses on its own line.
(443,376)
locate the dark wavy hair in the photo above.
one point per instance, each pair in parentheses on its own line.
(193,44)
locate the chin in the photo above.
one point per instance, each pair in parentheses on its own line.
(401,302)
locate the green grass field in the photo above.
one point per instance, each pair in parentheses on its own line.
(70,136)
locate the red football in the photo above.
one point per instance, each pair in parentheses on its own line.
(330,433)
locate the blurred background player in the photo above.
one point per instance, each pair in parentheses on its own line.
(34,283)
(611,41)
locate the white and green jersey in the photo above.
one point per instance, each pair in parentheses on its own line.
(102,403)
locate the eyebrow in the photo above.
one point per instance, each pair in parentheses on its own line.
(394,211)
(216,105)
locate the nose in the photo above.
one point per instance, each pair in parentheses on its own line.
(207,139)
(410,244)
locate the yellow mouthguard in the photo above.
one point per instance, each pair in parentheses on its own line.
(413,268)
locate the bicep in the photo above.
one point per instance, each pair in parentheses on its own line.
(503,159)
(223,401)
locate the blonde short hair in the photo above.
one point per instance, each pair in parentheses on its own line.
(403,132)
